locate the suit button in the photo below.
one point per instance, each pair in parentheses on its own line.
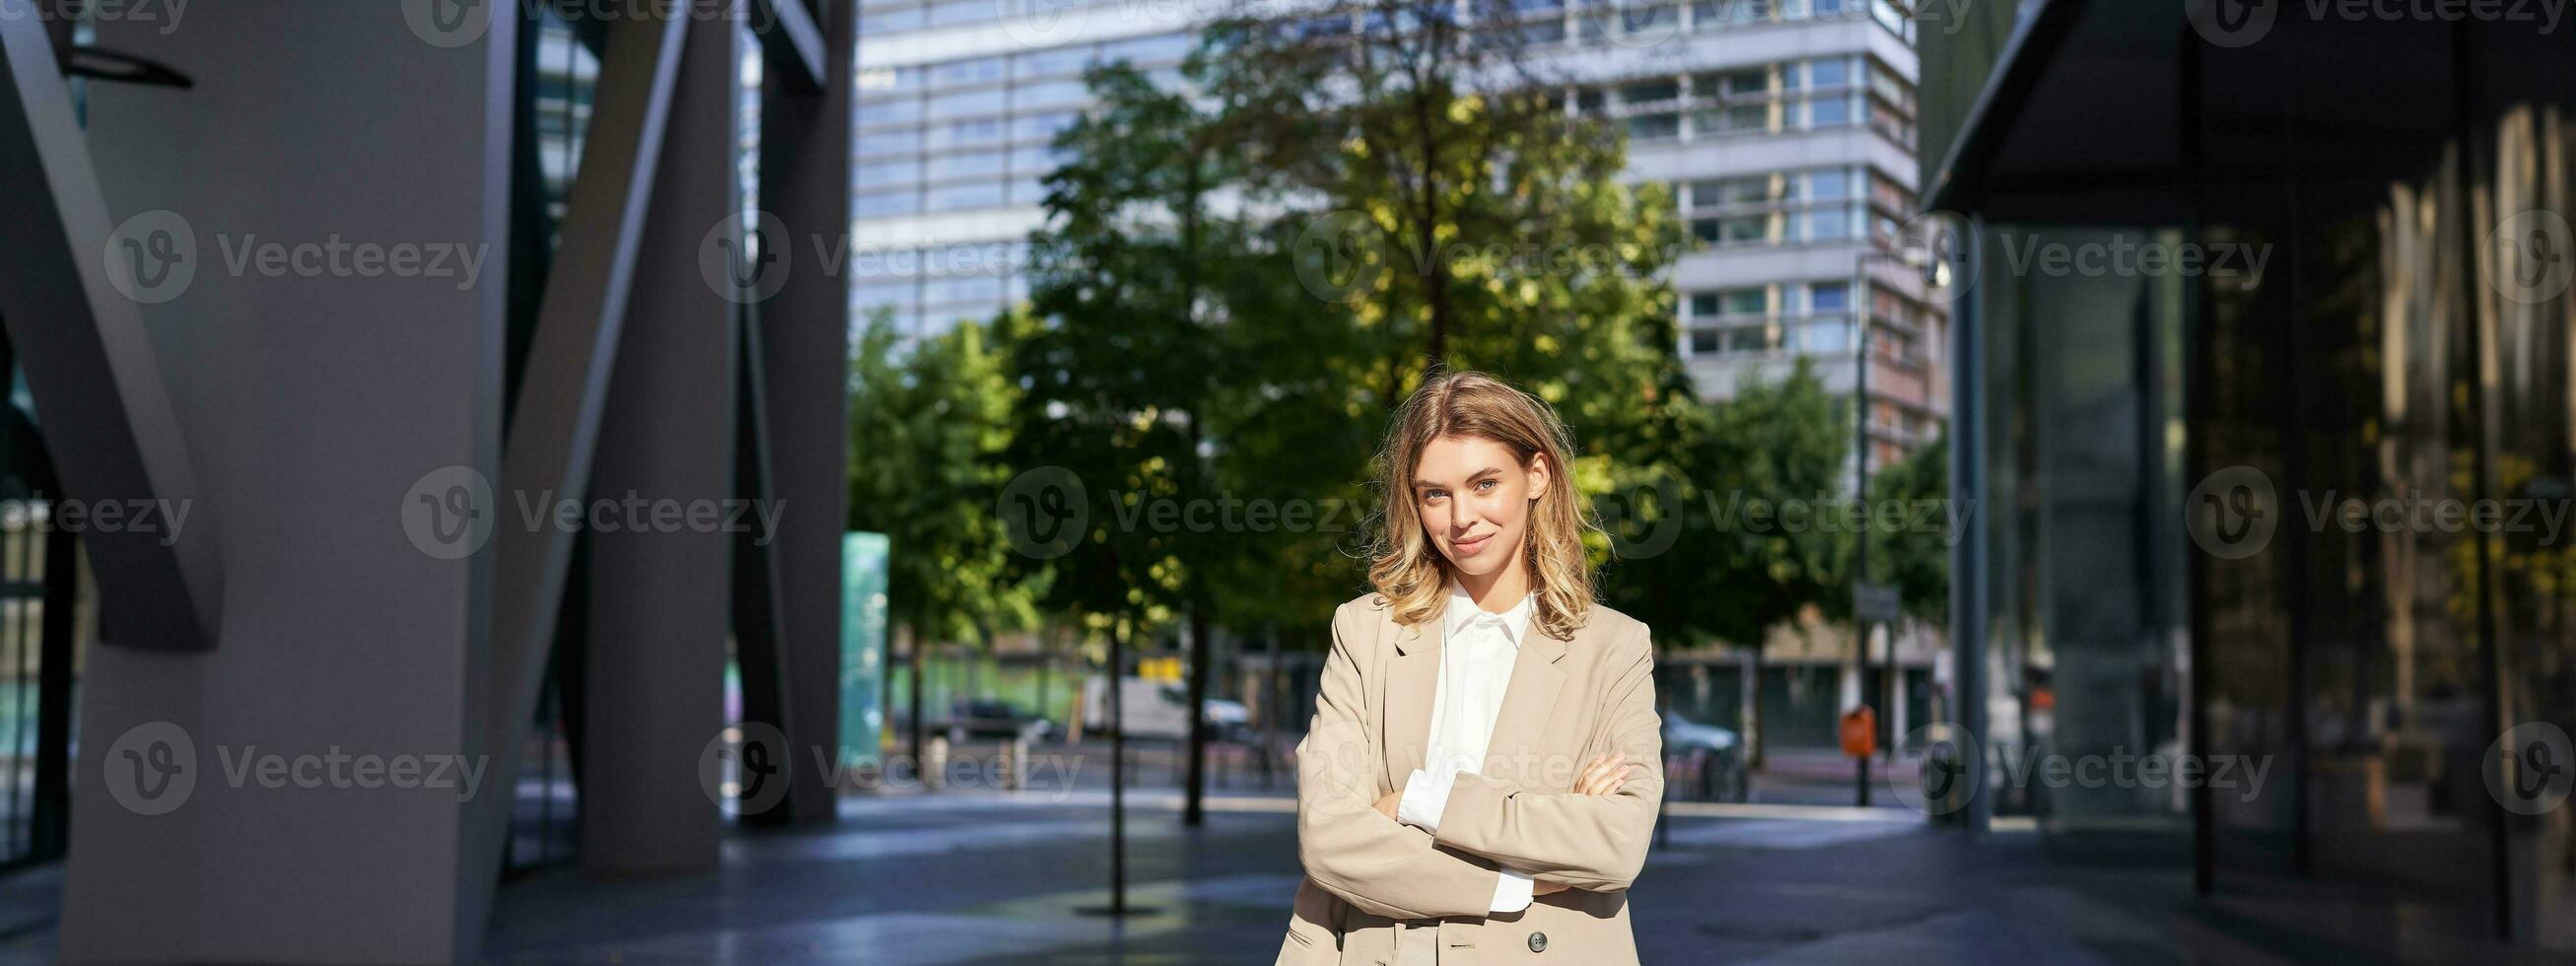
(1538,942)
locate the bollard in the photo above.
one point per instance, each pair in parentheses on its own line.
(934,773)
(1015,763)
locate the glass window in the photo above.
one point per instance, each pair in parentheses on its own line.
(1659,20)
(966,133)
(961,73)
(1833,72)
(905,110)
(1829,183)
(1830,335)
(886,174)
(963,12)
(1746,228)
(1589,101)
(962,288)
(888,21)
(1734,83)
(1828,112)
(1033,161)
(1746,301)
(1824,224)
(1828,297)
(892,141)
(972,194)
(1050,94)
(884,81)
(1028,191)
(1703,342)
(947,166)
(1650,92)
(879,204)
(1067,60)
(967,103)
(1751,338)
(1041,127)
(894,294)
(1649,127)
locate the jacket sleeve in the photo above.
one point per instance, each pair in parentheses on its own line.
(1594,842)
(1348,846)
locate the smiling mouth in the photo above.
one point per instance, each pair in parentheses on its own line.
(1471,546)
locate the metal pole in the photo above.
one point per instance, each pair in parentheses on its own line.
(1860,492)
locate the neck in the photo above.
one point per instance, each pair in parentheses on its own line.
(1498,591)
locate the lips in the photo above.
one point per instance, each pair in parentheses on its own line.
(1465,548)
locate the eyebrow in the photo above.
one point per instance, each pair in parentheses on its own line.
(1471,477)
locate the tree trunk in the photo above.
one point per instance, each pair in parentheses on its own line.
(1196,785)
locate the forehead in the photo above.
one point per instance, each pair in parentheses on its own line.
(1451,459)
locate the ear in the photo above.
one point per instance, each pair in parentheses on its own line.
(1541,476)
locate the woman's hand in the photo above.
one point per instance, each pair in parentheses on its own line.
(1604,774)
(1386,805)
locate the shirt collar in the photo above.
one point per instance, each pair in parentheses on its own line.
(1462,609)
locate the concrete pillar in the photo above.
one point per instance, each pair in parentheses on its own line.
(320,396)
(658,596)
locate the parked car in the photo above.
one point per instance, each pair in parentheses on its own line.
(1159,711)
(1716,754)
(993,720)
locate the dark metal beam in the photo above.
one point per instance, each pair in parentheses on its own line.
(792,43)
(90,363)
(555,427)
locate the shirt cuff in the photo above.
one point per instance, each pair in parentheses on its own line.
(1512,892)
(1424,799)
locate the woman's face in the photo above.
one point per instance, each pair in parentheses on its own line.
(1475,500)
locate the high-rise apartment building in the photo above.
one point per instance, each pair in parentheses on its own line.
(1786,128)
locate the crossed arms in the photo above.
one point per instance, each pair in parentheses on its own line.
(1386,868)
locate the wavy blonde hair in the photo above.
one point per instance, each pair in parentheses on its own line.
(1408,570)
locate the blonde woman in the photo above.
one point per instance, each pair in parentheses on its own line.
(1480,780)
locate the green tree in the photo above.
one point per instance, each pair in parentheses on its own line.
(928,422)
(1911,550)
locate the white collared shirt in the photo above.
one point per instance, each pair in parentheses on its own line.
(1477,651)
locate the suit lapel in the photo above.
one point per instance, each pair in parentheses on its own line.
(1413,681)
(1527,702)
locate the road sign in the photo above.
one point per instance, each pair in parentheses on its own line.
(1874,602)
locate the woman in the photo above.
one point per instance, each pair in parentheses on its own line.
(1481,776)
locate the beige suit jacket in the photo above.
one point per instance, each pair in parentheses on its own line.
(1365,872)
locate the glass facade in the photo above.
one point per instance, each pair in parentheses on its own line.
(2283,498)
